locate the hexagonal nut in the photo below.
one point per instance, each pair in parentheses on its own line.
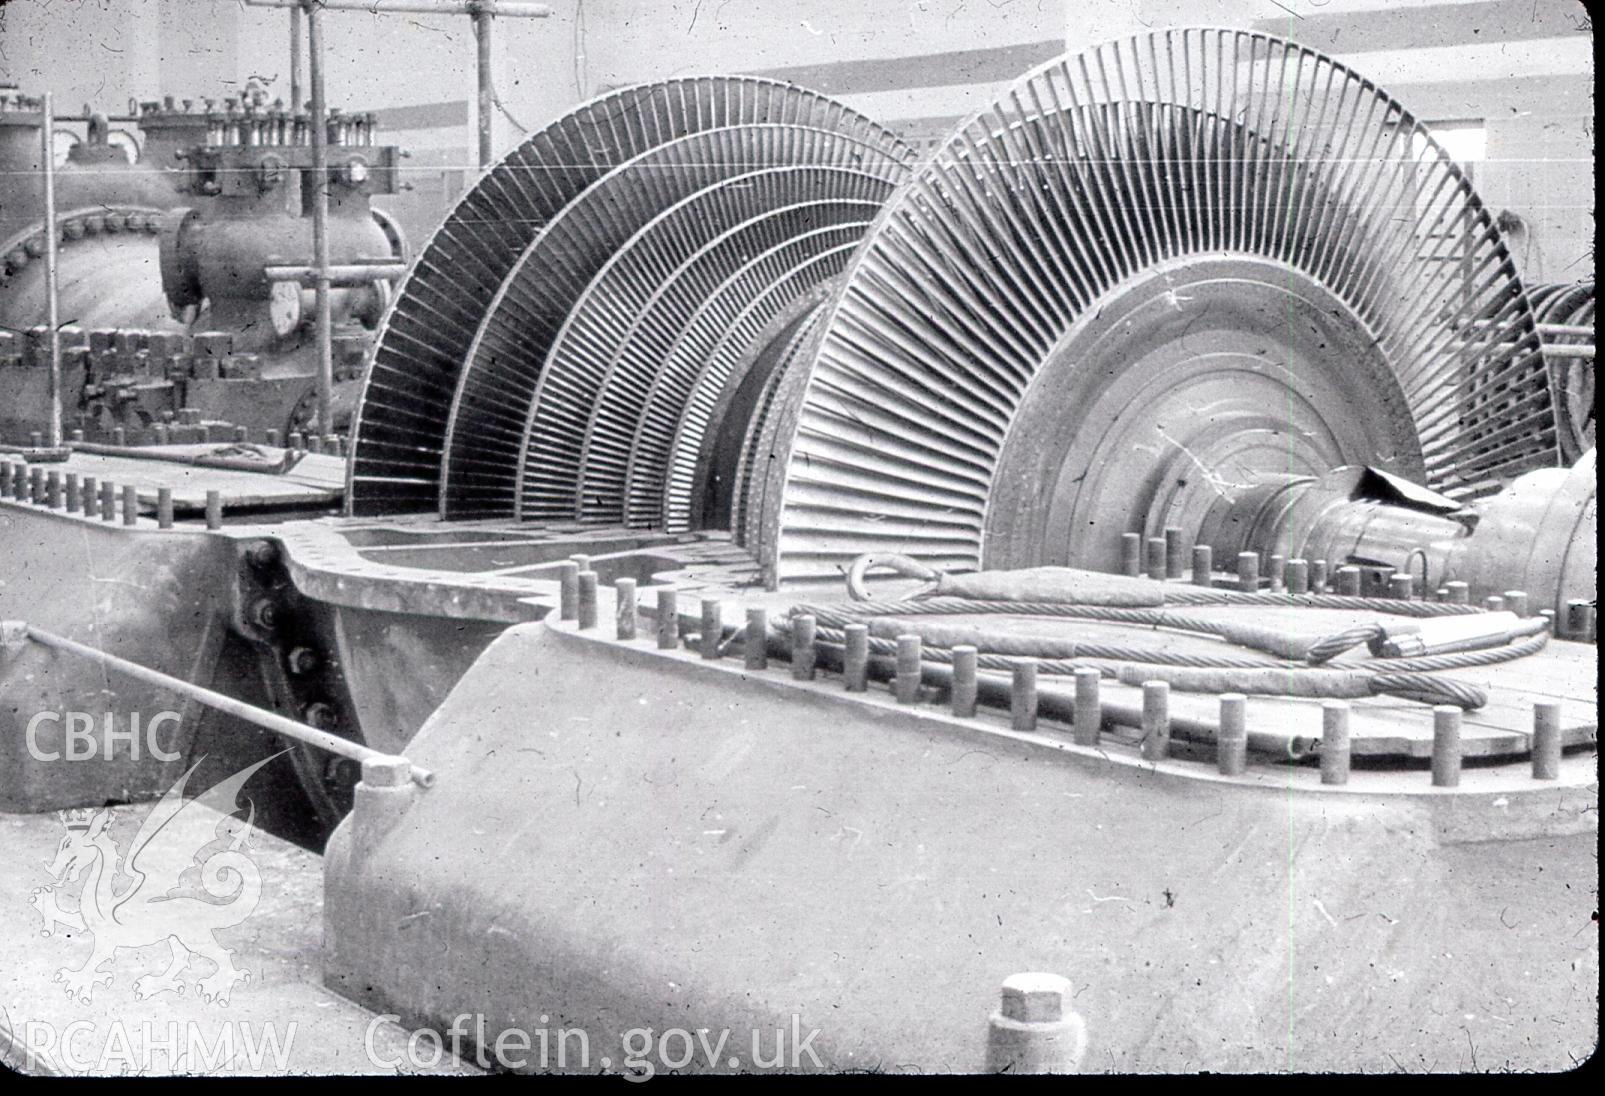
(386,772)
(1035,997)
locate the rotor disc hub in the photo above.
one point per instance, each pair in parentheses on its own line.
(1187,384)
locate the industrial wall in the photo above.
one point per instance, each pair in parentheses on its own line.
(1509,82)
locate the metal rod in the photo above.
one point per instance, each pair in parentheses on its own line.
(482,49)
(320,216)
(1023,696)
(289,728)
(964,688)
(1334,742)
(1231,744)
(1546,740)
(668,619)
(755,645)
(625,608)
(295,59)
(52,284)
(906,684)
(515,9)
(342,274)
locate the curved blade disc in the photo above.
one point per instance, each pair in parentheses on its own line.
(1105,183)
(412,377)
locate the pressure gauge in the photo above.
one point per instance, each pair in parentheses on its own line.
(284,307)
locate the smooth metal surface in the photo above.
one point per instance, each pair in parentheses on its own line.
(1190,168)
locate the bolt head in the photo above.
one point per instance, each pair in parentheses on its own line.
(386,772)
(1035,997)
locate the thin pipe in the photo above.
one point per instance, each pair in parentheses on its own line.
(320,217)
(295,59)
(271,721)
(482,48)
(52,286)
(513,8)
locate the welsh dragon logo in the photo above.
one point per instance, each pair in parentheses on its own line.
(128,902)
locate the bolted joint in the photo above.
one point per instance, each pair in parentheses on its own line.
(262,554)
(380,799)
(1034,1029)
(13,635)
(301,660)
(321,715)
(264,614)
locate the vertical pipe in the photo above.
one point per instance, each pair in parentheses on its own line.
(295,61)
(52,286)
(1203,565)
(320,216)
(482,42)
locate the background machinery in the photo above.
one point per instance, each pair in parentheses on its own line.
(183,269)
(1219,450)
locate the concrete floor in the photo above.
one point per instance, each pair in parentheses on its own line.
(43,1030)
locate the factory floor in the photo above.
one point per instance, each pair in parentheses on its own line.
(279,1019)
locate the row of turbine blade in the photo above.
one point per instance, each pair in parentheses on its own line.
(626,320)
(1138,153)
(465,343)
